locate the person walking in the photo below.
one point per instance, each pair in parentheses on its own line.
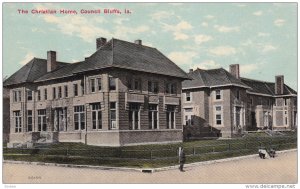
(181,160)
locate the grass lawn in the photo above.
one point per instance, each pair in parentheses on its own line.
(147,156)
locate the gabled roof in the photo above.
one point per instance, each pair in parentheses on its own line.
(115,53)
(33,70)
(212,78)
(127,55)
(264,87)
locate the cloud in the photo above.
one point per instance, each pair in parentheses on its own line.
(178,29)
(261,34)
(279,22)
(226,29)
(248,68)
(209,17)
(123,31)
(207,64)
(268,48)
(240,5)
(29,56)
(120,20)
(223,51)
(247,43)
(258,13)
(204,24)
(182,58)
(202,38)
(161,15)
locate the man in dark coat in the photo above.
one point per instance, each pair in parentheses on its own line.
(181,160)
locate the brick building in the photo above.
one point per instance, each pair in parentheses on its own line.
(218,103)
(123,94)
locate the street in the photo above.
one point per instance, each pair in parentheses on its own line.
(281,169)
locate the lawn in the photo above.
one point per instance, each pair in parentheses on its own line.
(152,155)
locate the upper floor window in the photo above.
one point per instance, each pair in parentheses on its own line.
(92,85)
(218,95)
(75,89)
(153,86)
(113,115)
(99,84)
(170,88)
(45,94)
(238,94)
(112,83)
(187,96)
(17,95)
(39,95)
(66,91)
(59,92)
(29,95)
(134,84)
(54,92)
(285,101)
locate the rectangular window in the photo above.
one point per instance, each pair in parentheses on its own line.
(170,88)
(54,92)
(218,119)
(170,116)
(15,96)
(66,91)
(153,116)
(218,115)
(92,85)
(42,126)
(96,116)
(112,83)
(187,96)
(75,89)
(18,121)
(29,120)
(45,94)
(238,94)
(153,87)
(19,95)
(285,101)
(113,116)
(29,95)
(134,116)
(137,84)
(39,95)
(79,118)
(218,94)
(59,92)
(99,84)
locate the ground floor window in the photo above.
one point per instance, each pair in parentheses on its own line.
(17,121)
(96,116)
(134,116)
(170,116)
(218,115)
(42,126)
(189,116)
(113,115)
(60,119)
(79,118)
(29,120)
(153,116)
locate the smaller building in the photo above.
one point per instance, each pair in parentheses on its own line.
(218,103)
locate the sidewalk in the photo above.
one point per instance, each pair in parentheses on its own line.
(146,170)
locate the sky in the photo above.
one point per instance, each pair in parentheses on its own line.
(261,37)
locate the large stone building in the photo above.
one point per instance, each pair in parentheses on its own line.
(123,94)
(218,103)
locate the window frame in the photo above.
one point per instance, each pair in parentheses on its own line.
(114,109)
(96,108)
(219,96)
(79,112)
(17,121)
(31,96)
(110,82)
(29,117)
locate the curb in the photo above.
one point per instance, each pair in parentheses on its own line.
(150,170)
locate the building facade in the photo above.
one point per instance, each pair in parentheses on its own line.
(123,94)
(218,103)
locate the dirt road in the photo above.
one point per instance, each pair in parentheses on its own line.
(282,169)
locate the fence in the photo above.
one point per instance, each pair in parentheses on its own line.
(155,154)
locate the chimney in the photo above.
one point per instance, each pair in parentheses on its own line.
(51,61)
(190,70)
(100,42)
(234,69)
(138,42)
(279,83)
